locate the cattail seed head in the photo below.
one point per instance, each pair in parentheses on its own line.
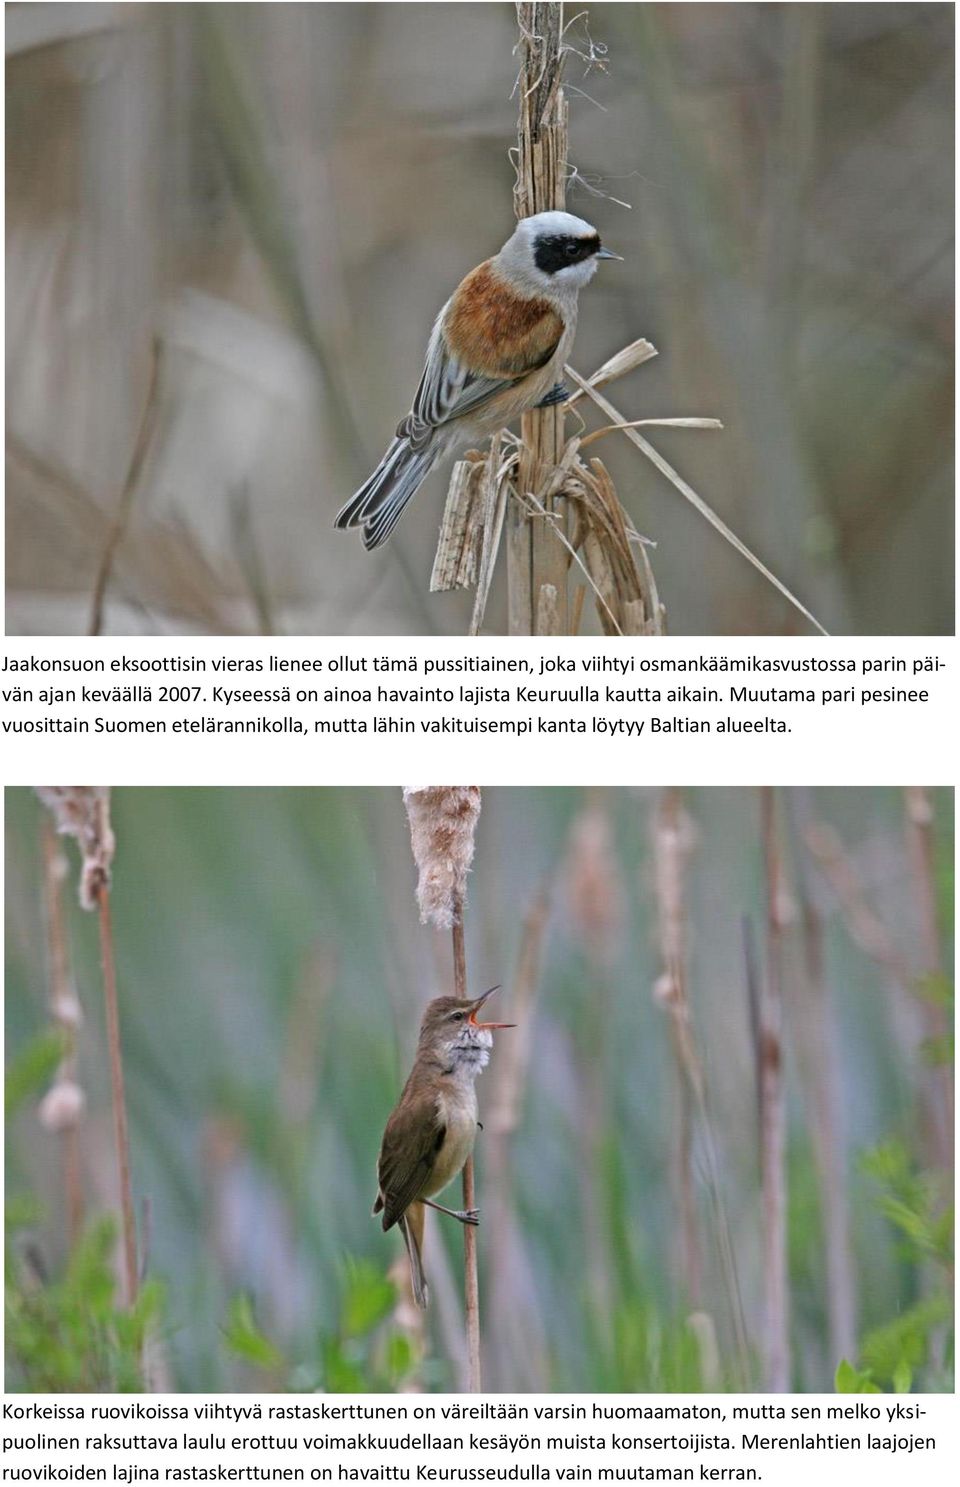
(83,811)
(62,1106)
(594,890)
(443,820)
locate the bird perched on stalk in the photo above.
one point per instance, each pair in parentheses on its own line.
(497,348)
(431,1132)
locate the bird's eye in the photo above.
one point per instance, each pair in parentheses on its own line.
(572,250)
(456,1016)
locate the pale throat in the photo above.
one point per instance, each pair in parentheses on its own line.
(467,1059)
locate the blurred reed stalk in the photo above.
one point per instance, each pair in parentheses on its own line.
(118,524)
(816,1024)
(938,1095)
(83,812)
(471,1284)
(442,822)
(62,1108)
(874,937)
(672,842)
(766,997)
(514,1335)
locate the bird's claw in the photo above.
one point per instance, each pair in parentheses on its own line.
(470,1216)
(557,394)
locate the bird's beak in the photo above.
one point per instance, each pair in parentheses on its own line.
(605,253)
(476,1008)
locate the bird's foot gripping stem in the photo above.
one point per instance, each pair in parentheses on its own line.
(465,1215)
(557,394)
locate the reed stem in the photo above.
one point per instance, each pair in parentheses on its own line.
(65,1010)
(121,1136)
(769,1031)
(537,562)
(471,1285)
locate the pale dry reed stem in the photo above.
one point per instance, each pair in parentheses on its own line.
(773,1116)
(513,1334)
(443,820)
(535,558)
(816,1023)
(865,927)
(471,1284)
(672,841)
(83,812)
(687,491)
(121,1134)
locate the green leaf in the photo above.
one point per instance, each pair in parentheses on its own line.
(244,1338)
(850,1380)
(22,1211)
(903,1343)
(341,1374)
(400,1356)
(937,1051)
(32,1069)
(368,1297)
(936,989)
(902,1377)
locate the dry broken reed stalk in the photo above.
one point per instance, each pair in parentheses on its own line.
(83,812)
(563,515)
(673,838)
(536,561)
(443,820)
(62,1107)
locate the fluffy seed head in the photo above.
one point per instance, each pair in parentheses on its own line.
(83,812)
(443,819)
(62,1106)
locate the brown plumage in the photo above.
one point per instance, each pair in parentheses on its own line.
(431,1132)
(497,332)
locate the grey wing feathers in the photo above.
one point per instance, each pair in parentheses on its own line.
(380,502)
(447,390)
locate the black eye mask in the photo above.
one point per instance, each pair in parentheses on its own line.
(553,253)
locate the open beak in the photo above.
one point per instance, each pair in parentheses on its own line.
(476,1008)
(605,253)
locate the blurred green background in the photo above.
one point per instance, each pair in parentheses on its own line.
(272,972)
(284,195)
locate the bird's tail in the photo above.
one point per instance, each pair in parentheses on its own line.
(411,1226)
(381,501)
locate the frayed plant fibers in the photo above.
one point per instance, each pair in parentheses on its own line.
(83,812)
(443,820)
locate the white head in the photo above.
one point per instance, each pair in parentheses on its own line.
(553,253)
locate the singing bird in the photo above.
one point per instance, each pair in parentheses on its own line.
(431,1132)
(497,348)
